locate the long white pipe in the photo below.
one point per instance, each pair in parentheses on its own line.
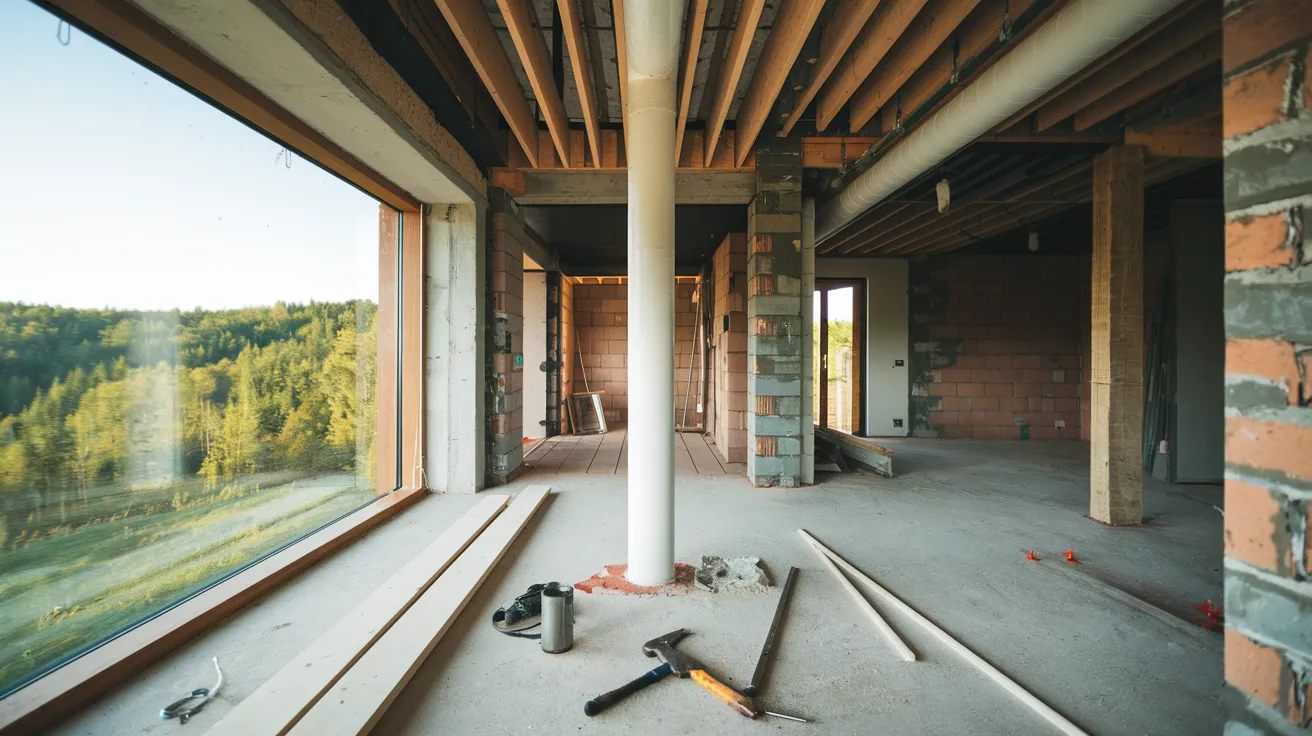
(1074,38)
(653,54)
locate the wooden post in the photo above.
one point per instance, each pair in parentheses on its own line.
(1116,385)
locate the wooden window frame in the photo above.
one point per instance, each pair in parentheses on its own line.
(79,681)
(859,315)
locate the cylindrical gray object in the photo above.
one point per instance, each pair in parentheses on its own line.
(557,618)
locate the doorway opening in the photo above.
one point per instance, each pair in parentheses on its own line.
(838,360)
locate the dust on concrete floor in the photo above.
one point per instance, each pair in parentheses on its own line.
(947,535)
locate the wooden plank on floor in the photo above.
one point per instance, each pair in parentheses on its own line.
(581,456)
(358,700)
(285,697)
(608,455)
(682,459)
(702,455)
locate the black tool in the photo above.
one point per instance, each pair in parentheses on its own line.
(762,664)
(604,701)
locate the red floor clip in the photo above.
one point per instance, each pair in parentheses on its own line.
(1215,616)
(1032,556)
(1070,556)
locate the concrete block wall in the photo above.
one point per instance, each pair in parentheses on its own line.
(1267,112)
(600,312)
(996,345)
(730,310)
(775,310)
(505,416)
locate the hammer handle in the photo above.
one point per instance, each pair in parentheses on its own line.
(606,700)
(737,701)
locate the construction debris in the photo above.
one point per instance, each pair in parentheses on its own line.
(732,574)
(611,579)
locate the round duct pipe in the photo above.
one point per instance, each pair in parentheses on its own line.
(1074,38)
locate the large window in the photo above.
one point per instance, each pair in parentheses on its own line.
(189,345)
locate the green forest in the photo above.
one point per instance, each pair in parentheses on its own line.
(95,397)
(145,455)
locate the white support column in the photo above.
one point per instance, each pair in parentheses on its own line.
(454,319)
(652,55)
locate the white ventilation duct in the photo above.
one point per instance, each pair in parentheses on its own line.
(1074,38)
(655,31)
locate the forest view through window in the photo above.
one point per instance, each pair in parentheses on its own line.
(188,341)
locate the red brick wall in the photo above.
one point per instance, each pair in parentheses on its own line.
(601,319)
(730,282)
(1267,112)
(996,345)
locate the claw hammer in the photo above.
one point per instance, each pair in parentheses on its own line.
(680,665)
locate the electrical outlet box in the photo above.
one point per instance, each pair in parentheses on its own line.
(897,422)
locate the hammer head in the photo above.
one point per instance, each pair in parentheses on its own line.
(664,648)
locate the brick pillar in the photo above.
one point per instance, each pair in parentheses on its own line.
(1116,381)
(505,346)
(775,313)
(1268,313)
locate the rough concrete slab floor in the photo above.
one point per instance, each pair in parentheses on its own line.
(948,535)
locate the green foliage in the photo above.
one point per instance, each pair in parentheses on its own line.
(143,400)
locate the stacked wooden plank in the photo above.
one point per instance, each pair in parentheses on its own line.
(347,678)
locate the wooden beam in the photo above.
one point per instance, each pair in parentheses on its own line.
(833,153)
(975,35)
(123,24)
(358,700)
(1193,60)
(524,33)
(930,30)
(610,186)
(474,31)
(879,35)
(622,62)
(282,699)
(842,29)
(1116,378)
(868,226)
(35,708)
(692,45)
(749,14)
(578,57)
(792,25)
(1200,139)
(1112,56)
(1165,46)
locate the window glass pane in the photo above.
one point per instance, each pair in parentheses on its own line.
(841,360)
(188,344)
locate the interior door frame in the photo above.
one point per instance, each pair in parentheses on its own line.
(822,286)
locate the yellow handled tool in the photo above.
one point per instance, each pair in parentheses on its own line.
(736,700)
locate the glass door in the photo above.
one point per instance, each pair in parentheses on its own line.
(838,352)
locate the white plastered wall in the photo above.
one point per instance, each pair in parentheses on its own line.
(887,338)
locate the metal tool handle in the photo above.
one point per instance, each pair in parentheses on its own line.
(604,701)
(735,700)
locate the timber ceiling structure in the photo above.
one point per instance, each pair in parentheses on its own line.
(534,89)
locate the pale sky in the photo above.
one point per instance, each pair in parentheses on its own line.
(120,189)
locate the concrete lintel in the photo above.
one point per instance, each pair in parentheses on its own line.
(308,58)
(611,186)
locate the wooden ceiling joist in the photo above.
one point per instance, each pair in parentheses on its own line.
(930,30)
(533,54)
(749,14)
(979,31)
(692,45)
(839,33)
(1191,61)
(572,25)
(1166,45)
(790,30)
(622,63)
(474,31)
(884,28)
(1135,41)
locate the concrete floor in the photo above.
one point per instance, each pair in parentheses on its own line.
(947,535)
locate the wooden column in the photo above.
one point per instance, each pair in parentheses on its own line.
(1117,338)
